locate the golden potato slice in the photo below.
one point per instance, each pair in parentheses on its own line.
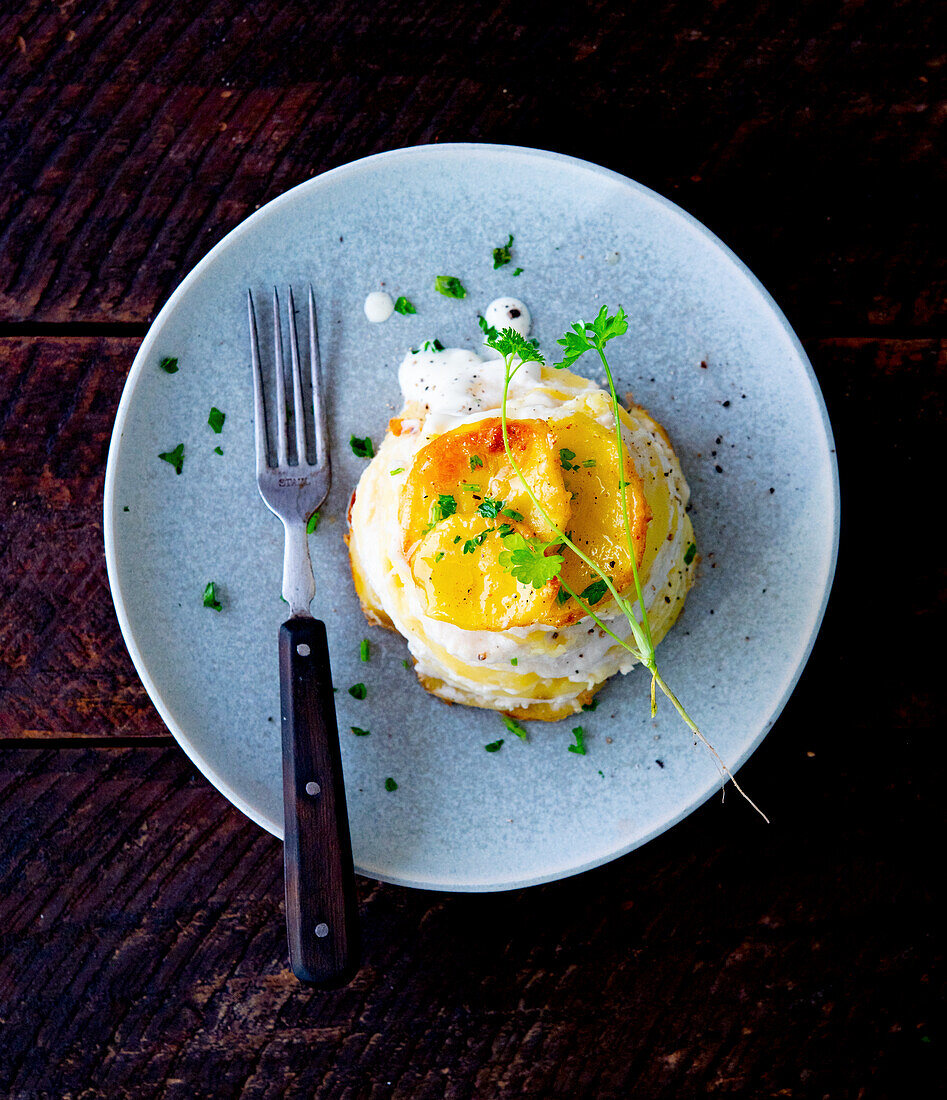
(589,465)
(470,466)
(456,567)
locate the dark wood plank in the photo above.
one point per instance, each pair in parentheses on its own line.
(63,667)
(142,951)
(135,134)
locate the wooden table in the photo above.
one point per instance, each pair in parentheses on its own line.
(140,914)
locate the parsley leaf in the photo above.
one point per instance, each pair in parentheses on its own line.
(390,784)
(358,691)
(503,255)
(494,746)
(489,508)
(592,335)
(690,553)
(312,523)
(475,461)
(359,732)
(514,727)
(210,597)
(216,419)
(509,342)
(590,706)
(169,364)
(450,286)
(487,330)
(363,650)
(565,458)
(218,451)
(471,544)
(527,562)
(595,591)
(579,747)
(175,457)
(562,595)
(362,448)
(403,306)
(518,271)
(516,517)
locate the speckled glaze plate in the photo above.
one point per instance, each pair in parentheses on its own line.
(708,352)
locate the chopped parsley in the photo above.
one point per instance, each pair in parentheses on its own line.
(494,746)
(518,271)
(690,553)
(363,650)
(175,457)
(428,345)
(397,470)
(210,597)
(505,529)
(565,458)
(312,523)
(390,784)
(218,451)
(488,330)
(450,286)
(169,364)
(516,517)
(471,544)
(475,461)
(503,254)
(362,448)
(439,555)
(590,706)
(406,664)
(358,691)
(595,591)
(216,419)
(579,747)
(359,732)
(403,306)
(489,508)
(514,727)
(562,595)
(589,462)
(514,660)
(444,506)
(470,487)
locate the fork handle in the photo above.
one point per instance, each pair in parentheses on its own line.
(321,905)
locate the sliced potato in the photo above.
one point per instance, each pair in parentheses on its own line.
(469,465)
(456,567)
(596,524)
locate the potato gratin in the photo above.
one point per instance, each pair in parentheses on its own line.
(436,507)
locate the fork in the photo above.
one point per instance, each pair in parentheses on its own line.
(321,909)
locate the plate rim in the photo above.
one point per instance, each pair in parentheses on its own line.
(124,406)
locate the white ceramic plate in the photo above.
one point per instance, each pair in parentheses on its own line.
(766,522)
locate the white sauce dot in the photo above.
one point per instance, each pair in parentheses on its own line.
(378,306)
(612,257)
(508,313)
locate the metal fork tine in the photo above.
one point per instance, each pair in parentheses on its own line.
(299,412)
(282,446)
(318,402)
(259,408)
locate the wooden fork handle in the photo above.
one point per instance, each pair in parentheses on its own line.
(321,906)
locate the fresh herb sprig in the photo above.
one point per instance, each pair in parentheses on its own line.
(583,337)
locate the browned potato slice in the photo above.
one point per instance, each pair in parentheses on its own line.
(455,565)
(469,465)
(596,525)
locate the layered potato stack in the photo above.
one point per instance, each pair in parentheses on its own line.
(477,635)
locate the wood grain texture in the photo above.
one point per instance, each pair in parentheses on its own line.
(63,666)
(143,948)
(135,134)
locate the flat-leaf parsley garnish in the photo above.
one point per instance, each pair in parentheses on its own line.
(565,458)
(595,592)
(169,364)
(690,553)
(312,523)
(216,419)
(503,254)
(364,653)
(475,461)
(359,732)
(494,746)
(450,286)
(527,560)
(210,597)
(218,451)
(444,506)
(404,307)
(175,457)
(362,448)
(530,561)
(358,691)
(489,508)
(579,747)
(488,330)
(390,784)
